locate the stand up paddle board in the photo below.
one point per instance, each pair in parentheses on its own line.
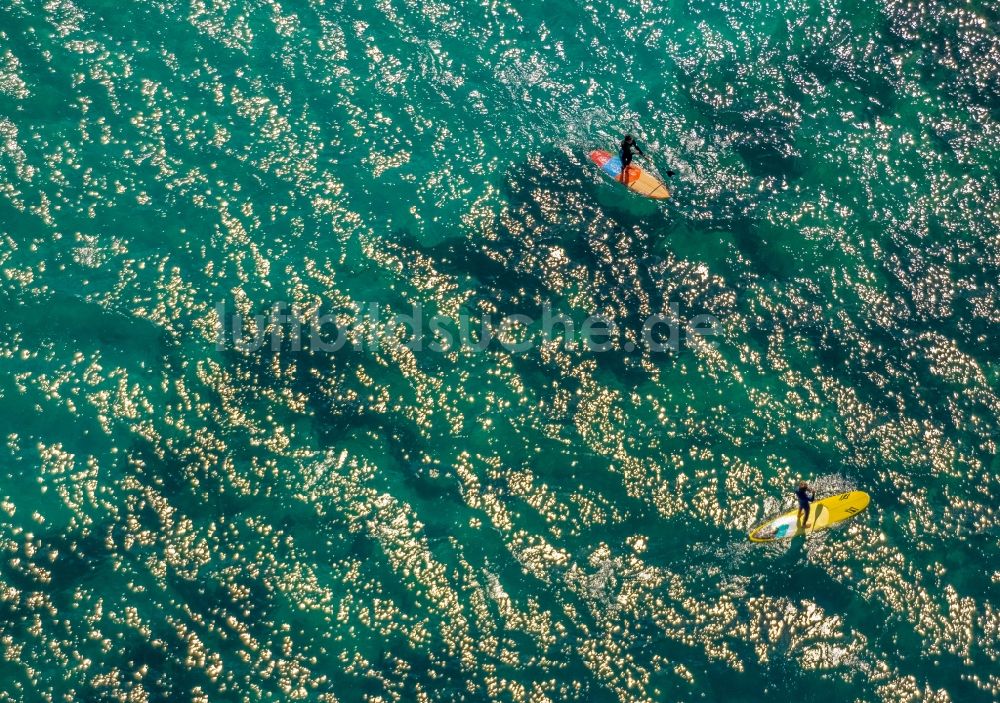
(636,179)
(822,514)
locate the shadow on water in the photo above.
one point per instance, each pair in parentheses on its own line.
(77,324)
(338,412)
(793,575)
(715,556)
(769,157)
(613,257)
(617,247)
(511,268)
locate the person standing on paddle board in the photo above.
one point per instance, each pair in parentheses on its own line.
(628,144)
(625,153)
(805,496)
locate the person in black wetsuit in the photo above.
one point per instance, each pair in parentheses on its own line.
(628,144)
(805,496)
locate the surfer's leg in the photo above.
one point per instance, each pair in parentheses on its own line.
(625,164)
(807,516)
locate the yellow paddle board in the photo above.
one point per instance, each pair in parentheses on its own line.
(822,514)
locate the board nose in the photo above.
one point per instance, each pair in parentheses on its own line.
(599,157)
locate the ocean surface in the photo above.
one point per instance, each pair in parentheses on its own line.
(228,474)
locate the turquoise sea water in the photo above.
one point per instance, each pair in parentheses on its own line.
(186,519)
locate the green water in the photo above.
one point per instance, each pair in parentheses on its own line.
(186,519)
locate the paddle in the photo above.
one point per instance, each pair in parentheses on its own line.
(670,174)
